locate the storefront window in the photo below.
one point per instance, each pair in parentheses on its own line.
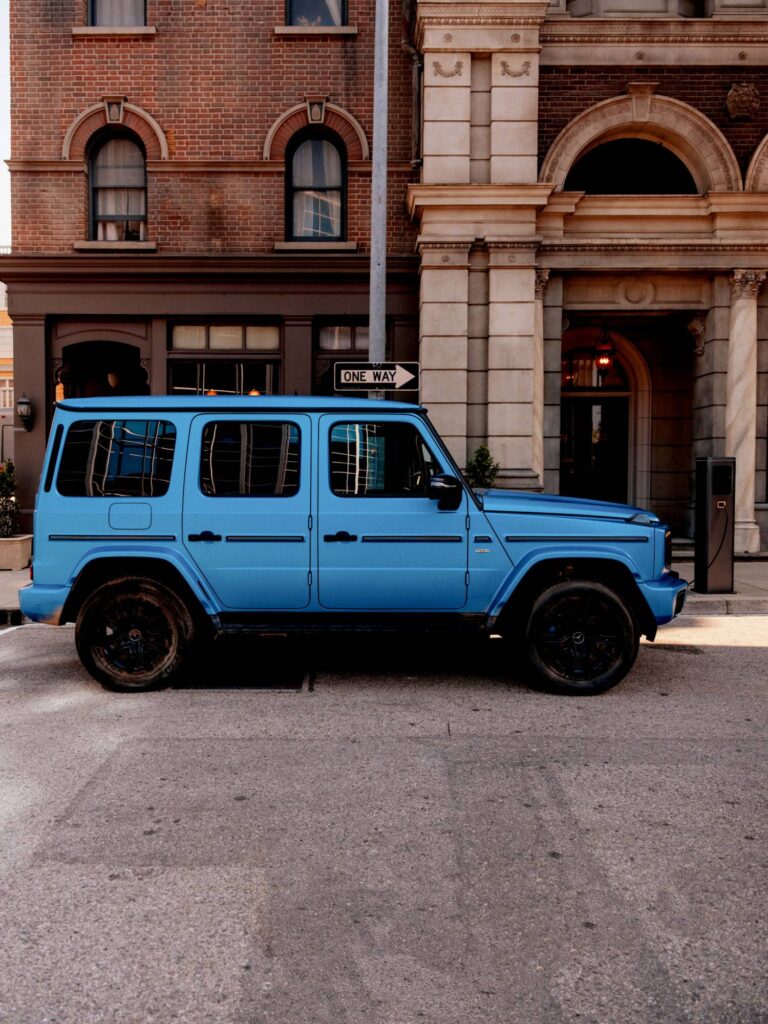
(198,363)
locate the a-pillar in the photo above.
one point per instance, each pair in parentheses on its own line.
(741,402)
(443,340)
(515,371)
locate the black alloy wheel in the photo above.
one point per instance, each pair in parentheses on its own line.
(581,638)
(134,634)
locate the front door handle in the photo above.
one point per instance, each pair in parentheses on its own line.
(205,535)
(342,535)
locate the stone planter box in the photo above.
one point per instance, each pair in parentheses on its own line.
(16,551)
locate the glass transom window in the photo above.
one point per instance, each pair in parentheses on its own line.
(226,337)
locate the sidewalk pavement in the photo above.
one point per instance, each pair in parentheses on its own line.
(750,597)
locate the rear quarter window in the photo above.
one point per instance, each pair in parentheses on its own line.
(117,459)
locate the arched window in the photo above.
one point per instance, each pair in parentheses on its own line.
(315,187)
(316,13)
(630,167)
(118,183)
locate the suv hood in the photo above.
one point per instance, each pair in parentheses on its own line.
(529,503)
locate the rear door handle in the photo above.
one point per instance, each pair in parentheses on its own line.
(205,535)
(342,535)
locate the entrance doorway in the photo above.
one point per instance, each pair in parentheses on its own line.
(90,369)
(594,460)
(604,417)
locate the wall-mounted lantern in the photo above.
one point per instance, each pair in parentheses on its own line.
(25,412)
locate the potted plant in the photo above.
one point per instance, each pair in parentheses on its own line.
(15,548)
(481,469)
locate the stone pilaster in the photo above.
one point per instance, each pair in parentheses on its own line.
(446,138)
(443,340)
(741,401)
(29,347)
(514,115)
(511,343)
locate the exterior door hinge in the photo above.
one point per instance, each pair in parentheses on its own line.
(309,522)
(309,578)
(466,523)
(466,579)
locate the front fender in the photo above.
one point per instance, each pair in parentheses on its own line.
(608,553)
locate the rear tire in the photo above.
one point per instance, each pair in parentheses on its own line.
(134,635)
(581,638)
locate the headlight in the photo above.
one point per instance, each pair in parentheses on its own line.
(667,550)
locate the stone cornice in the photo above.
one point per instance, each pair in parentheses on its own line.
(421,196)
(34,267)
(599,255)
(488,14)
(699,41)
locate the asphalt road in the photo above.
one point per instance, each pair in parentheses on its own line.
(386,838)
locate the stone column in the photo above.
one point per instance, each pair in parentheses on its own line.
(443,340)
(511,333)
(537,407)
(741,402)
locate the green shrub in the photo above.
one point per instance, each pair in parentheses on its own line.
(8,518)
(481,469)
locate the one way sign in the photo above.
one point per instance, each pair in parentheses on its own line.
(376,377)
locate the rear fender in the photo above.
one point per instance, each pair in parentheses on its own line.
(165,565)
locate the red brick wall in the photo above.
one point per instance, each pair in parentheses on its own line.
(215,77)
(566,92)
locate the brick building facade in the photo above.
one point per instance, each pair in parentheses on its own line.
(578,224)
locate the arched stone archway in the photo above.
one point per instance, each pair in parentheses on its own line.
(333,117)
(129,116)
(756,179)
(691,136)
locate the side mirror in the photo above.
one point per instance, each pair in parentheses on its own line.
(447,491)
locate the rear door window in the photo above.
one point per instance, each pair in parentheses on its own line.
(250,460)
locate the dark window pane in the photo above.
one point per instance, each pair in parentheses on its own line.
(117,458)
(315,12)
(630,167)
(379,460)
(250,460)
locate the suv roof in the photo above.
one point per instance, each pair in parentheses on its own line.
(223,403)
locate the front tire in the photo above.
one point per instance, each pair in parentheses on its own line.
(581,639)
(134,635)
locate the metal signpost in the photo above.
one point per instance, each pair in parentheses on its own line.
(378,283)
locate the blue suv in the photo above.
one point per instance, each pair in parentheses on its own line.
(163,521)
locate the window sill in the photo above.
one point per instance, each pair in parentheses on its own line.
(315,246)
(114,246)
(316,30)
(114,30)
